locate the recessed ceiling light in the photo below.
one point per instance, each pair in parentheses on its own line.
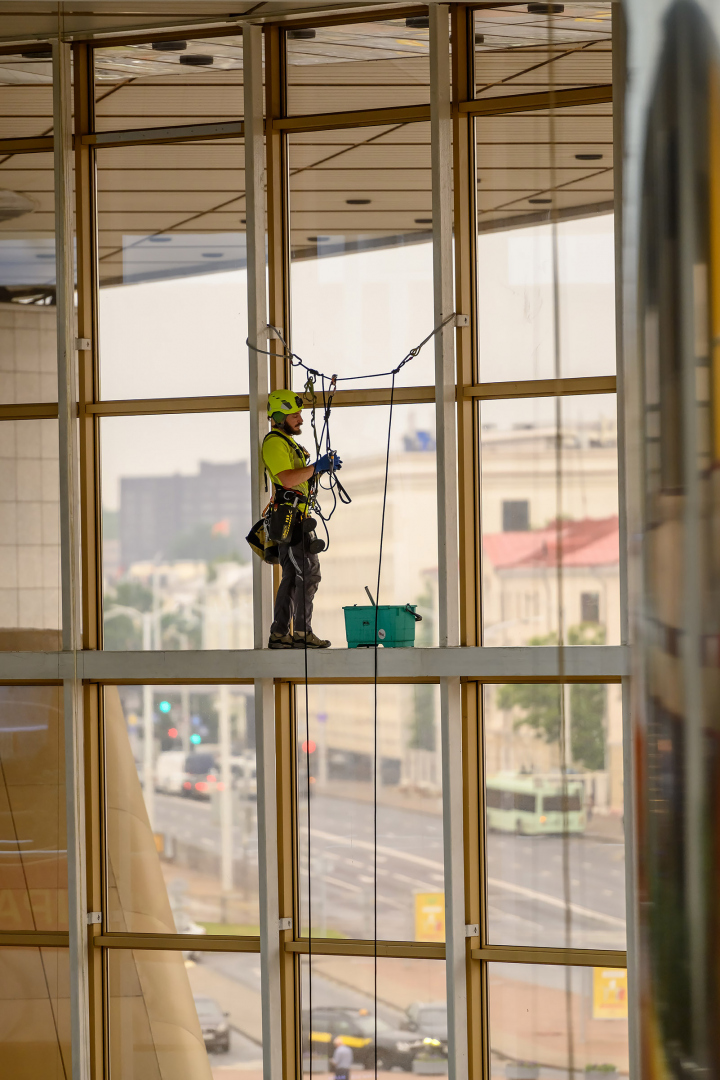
(242,220)
(423,221)
(540,200)
(357,202)
(317,239)
(159,239)
(588,157)
(546,9)
(43,255)
(169,46)
(418,22)
(479,39)
(196,60)
(302,34)
(212,254)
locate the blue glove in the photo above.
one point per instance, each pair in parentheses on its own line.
(323,465)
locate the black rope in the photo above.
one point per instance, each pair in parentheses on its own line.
(375,721)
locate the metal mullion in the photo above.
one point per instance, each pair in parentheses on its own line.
(167,406)
(31,411)
(465,215)
(169,133)
(585,384)
(527,954)
(278,210)
(42,939)
(178,942)
(358,947)
(35,144)
(505,105)
(69,560)
(287,873)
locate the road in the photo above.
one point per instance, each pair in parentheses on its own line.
(526,894)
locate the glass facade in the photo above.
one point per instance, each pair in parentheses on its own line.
(183,810)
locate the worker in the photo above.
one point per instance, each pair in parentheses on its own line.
(287,464)
(342,1059)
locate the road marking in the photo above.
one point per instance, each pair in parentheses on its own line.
(519,890)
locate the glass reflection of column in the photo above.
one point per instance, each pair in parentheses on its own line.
(673,261)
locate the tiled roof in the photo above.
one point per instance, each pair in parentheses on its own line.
(590,542)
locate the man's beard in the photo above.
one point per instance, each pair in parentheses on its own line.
(288,430)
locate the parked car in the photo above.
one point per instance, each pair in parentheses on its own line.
(428,1022)
(213,1024)
(395,1048)
(201,775)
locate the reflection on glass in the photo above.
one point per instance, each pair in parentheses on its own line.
(518,271)
(365,65)
(28,355)
(181,806)
(338,803)
(550,521)
(338,1011)
(33,860)
(35,1007)
(29,535)
(548,1021)
(409,565)
(184,1014)
(164,83)
(26,79)
(554,814)
(176,509)
(173,300)
(362,256)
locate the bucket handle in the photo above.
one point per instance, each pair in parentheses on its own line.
(418,618)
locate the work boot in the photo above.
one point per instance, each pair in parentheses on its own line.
(303,639)
(280,641)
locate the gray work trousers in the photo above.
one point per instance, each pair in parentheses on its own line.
(295,586)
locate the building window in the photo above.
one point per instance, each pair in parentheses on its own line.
(590,607)
(515,515)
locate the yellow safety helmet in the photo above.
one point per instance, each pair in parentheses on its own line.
(284,402)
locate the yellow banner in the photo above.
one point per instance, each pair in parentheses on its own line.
(429,916)
(609,994)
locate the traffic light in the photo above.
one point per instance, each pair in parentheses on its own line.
(195,738)
(164,706)
(173,732)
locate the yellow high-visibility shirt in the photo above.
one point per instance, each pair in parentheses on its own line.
(281,452)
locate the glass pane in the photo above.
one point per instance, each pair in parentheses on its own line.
(555,815)
(367,65)
(409,565)
(547,1021)
(335,796)
(176,510)
(172,257)
(543,177)
(153,84)
(181,808)
(517,279)
(28,356)
(361,225)
(35,1005)
(518,51)
(33,844)
(550,521)
(26,108)
(338,1015)
(180,1014)
(29,535)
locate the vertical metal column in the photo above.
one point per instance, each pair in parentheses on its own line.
(262,595)
(448,577)
(619,47)
(70,560)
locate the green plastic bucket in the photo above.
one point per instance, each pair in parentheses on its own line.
(396,626)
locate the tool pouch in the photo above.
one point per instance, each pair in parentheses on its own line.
(282,517)
(261,543)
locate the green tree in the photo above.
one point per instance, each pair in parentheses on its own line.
(540,704)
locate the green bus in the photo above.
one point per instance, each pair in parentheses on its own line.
(533,804)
